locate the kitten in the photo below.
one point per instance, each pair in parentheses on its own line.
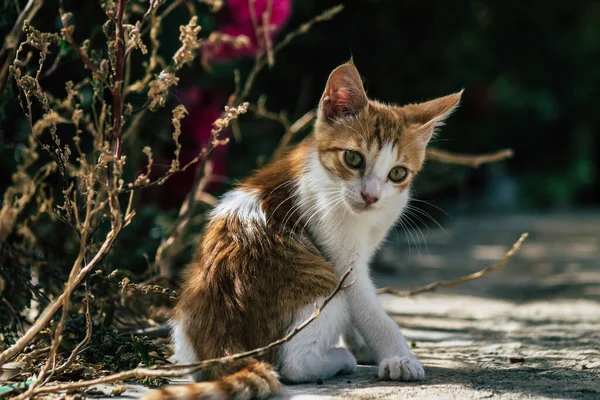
(280,241)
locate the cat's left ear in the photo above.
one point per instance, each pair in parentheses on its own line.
(428,116)
(344,93)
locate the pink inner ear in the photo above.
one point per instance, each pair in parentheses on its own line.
(344,93)
(339,99)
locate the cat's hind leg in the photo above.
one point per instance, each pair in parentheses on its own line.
(311,354)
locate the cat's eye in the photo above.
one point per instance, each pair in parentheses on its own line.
(354,159)
(398,174)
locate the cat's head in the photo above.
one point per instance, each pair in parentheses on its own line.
(373,151)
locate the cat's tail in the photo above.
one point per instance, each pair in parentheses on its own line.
(257,380)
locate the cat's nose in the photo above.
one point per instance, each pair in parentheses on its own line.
(368,199)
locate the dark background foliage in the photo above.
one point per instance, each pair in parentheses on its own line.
(529,70)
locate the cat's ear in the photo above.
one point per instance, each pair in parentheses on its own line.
(428,116)
(344,93)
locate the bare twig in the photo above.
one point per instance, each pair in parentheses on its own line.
(36,353)
(51,360)
(117,88)
(11,41)
(125,284)
(67,32)
(229,114)
(291,132)
(188,369)
(86,339)
(172,243)
(432,286)
(266,28)
(261,61)
(56,304)
(473,161)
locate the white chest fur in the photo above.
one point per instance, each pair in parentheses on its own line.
(348,237)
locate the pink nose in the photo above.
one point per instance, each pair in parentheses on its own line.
(368,199)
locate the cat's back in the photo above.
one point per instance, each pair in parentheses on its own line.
(250,274)
(249,253)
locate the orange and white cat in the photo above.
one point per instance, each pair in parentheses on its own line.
(280,241)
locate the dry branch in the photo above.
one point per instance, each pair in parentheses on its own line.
(68,35)
(125,284)
(11,41)
(473,161)
(432,286)
(291,130)
(86,339)
(117,88)
(261,61)
(74,280)
(188,369)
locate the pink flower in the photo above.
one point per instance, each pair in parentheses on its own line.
(204,108)
(240,11)
(239,22)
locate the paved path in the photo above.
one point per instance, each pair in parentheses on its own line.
(530,330)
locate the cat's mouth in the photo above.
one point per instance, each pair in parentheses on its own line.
(360,207)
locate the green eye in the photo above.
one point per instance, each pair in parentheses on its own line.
(398,174)
(354,159)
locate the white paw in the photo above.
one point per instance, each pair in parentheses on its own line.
(401,369)
(344,359)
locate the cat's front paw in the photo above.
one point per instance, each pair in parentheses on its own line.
(401,369)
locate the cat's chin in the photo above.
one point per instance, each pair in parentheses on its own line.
(360,208)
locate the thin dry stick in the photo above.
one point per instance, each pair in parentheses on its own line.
(55,305)
(262,61)
(266,30)
(51,360)
(473,161)
(125,284)
(52,355)
(117,89)
(11,41)
(86,339)
(432,286)
(67,30)
(291,132)
(188,369)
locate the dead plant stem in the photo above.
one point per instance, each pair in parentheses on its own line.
(434,285)
(473,161)
(188,369)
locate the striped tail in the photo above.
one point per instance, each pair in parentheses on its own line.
(256,381)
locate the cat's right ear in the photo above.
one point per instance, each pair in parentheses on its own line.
(344,94)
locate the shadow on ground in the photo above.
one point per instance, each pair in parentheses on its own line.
(529,330)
